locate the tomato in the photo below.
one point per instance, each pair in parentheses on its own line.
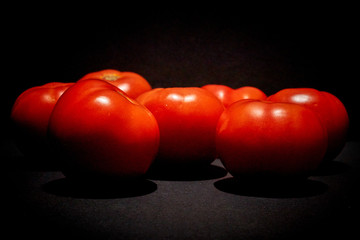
(101,132)
(30,115)
(131,83)
(228,95)
(187,119)
(260,138)
(329,108)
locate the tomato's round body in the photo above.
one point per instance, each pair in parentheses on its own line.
(329,108)
(30,115)
(187,119)
(131,83)
(99,130)
(257,138)
(228,95)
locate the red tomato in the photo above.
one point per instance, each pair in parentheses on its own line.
(329,108)
(131,83)
(228,95)
(258,138)
(30,114)
(100,131)
(187,119)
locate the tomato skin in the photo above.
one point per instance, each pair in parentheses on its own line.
(260,138)
(31,113)
(187,119)
(329,108)
(131,83)
(100,131)
(229,95)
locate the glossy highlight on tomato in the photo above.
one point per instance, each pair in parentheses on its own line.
(267,139)
(187,119)
(131,83)
(99,131)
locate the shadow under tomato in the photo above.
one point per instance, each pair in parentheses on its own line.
(185,173)
(101,189)
(286,188)
(329,168)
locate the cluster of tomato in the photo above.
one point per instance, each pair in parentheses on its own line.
(112,123)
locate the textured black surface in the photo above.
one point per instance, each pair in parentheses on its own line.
(210,205)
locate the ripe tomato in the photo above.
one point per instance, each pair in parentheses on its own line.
(228,95)
(30,114)
(187,119)
(131,83)
(259,138)
(329,108)
(100,131)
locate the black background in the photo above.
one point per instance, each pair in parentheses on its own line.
(272,49)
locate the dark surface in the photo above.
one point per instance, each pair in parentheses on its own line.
(207,205)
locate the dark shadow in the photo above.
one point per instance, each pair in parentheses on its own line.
(185,173)
(32,156)
(286,188)
(100,189)
(32,163)
(329,168)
